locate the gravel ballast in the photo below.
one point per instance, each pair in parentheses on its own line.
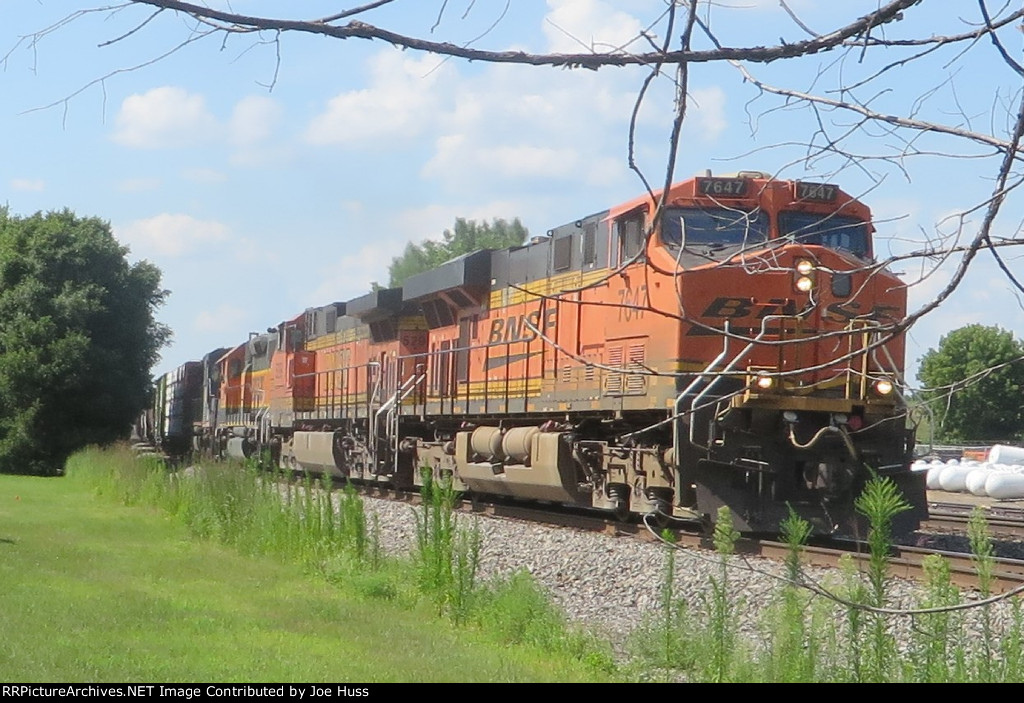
(608,584)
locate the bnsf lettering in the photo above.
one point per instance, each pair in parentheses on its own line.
(844,312)
(729,308)
(515,329)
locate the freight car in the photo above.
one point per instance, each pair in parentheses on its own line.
(733,348)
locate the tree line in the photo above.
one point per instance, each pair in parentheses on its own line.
(79,335)
(972,384)
(78,338)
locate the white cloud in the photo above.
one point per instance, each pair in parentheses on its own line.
(580,26)
(205,176)
(28,184)
(138,185)
(253,120)
(350,275)
(251,130)
(507,127)
(396,105)
(166,117)
(221,318)
(170,235)
(707,111)
(457,151)
(461,159)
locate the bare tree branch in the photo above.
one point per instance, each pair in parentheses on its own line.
(233,22)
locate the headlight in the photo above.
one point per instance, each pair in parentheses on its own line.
(763,381)
(883,387)
(804,275)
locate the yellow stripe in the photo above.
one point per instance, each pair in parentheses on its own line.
(407,323)
(335,338)
(493,390)
(545,287)
(412,323)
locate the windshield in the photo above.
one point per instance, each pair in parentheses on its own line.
(711,226)
(832,231)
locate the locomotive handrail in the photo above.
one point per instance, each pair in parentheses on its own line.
(868,352)
(928,408)
(706,371)
(258,421)
(445,387)
(677,447)
(389,407)
(729,367)
(404,389)
(334,397)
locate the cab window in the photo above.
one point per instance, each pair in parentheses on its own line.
(713,226)
(831,230)
(631,236)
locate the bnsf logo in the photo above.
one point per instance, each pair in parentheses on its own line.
(735,308)
(515,329)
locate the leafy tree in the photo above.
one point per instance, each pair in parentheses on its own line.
(467,236)
(77,338)
(973,382)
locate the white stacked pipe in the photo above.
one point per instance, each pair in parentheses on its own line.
(977,477)
(953,477)
(1006,484)
(1006,480)
(1005,454)
(934,472)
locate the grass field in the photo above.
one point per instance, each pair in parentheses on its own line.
(91,591)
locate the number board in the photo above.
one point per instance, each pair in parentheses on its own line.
(816,192)
(723,187)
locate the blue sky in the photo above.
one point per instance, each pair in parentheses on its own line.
(263,179)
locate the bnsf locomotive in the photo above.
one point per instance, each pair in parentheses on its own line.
(731,349)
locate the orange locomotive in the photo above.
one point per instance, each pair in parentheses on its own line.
(739,355)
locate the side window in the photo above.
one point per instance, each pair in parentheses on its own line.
(630,230)
(562,252)
(590,243)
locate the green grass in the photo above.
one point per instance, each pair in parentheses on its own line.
(92,591)
(215,575)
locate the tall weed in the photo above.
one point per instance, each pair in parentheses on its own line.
(935,643)
(881,501)
(791,651)
(721,633)
(447,555)
(664,641)
(983,556)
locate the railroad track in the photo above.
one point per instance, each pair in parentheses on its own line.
(905,561)
(1003,520)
